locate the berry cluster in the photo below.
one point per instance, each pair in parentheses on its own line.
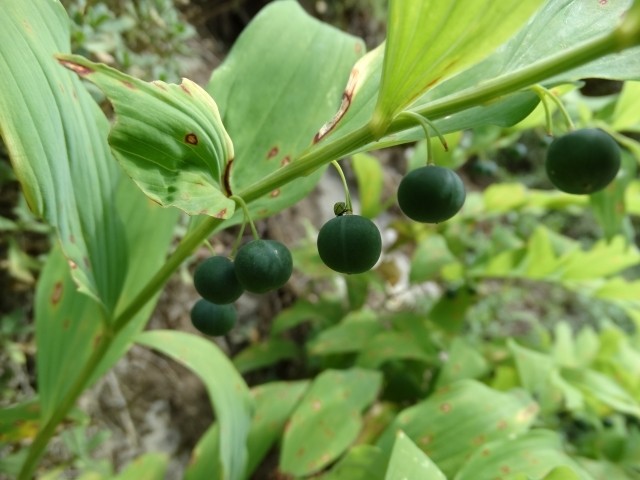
(259,267)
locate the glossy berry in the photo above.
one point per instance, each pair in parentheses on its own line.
(431,194)
(263,265)
(212,319)
(349,244)
(583,161)
(215,280)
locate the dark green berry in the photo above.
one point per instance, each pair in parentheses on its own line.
(431,194)
(215,280)
(349,244)
(263,265)
(212,319)
(583,161)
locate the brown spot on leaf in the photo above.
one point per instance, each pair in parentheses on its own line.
(185,88)
(502,424)
(85,260)
(445,407)
(505,469)
(603,2)
(97,340)
(56,295)
(479,440)
(316,405)
(485,452)
(74,67)
(72,239)
(72,265)
(358,48)
(128,84)
(160,85)
(191,138)
(275,193)
(300,452)
(426,440)
(285,161)
(65,324)
(273,152)
(221,214)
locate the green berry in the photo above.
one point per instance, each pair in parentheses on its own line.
(431,194)
(263,265)
(349,244)
(215,280)
(583,161)
(212,319)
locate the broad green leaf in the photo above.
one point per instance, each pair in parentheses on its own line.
(362,462)
(408,462)
(463,362)
(387,346)
(562,473)
(19,422)
(151,466)
(304,311)
(352,334)
(430,256)
(55,134)
(625,116)
(534,454)
(228,392)
(265,353)
(460,419)
(168,138)
(428,41)
(327,420)
(281,81)
(603,259)
(370,177)
(68,321)
(274,403)
(450,311)
(603,390)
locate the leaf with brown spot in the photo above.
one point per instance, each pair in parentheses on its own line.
(166,136)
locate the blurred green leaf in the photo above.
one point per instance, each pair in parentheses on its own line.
(150,466)
(352,334)
(408,462)
(327,420)
(226,388)
(463,362)
(460,419)
(626,115)
(265,353)
(387,346)
(362,462)
(428,41)
(369,175)
(302,311)
(168,138)
(429,257)
(534,454)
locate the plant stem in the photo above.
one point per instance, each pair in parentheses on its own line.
(247,216)
(347,196)
(425,123)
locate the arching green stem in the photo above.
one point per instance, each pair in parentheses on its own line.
(426,124)
(247,215)
(236,244)
(347,196)
(545,94)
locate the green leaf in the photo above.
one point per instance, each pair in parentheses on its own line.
(352,334)
(625,116)
(408,462)
(274,403)
(463,362)
(534,454)
(369,175)
(362,462)
(459,419)
(19,422)
(281,80)
(428,41)
(168,138)
(429,257)
(151,466)
(68,321)
(327,420)
(386,346)
(228,392)
(265,353)
(305,311)
(55,134)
